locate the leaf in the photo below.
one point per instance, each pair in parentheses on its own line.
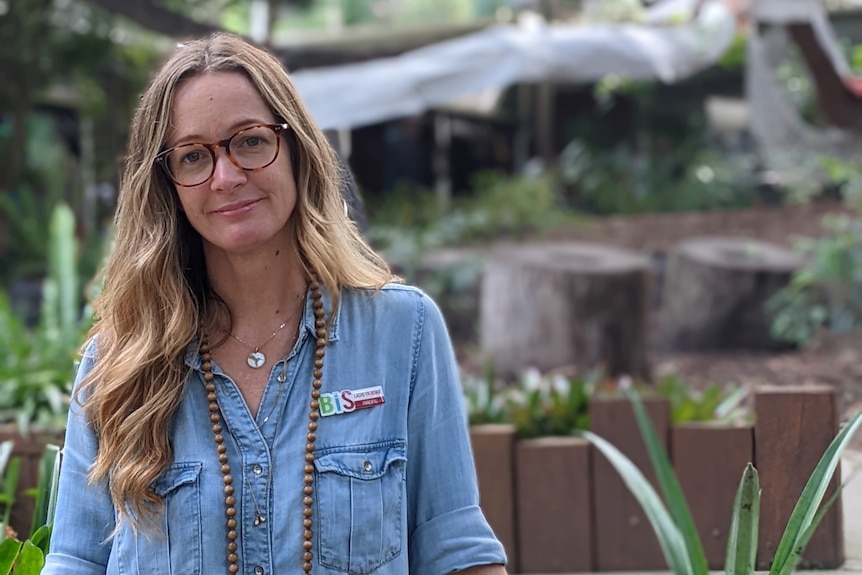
(30,560)
(804,516)
(670,539)
(668,484)
(9,549)
(742,538)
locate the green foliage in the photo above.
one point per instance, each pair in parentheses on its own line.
(827,291)
(37,364)
(718,403)
(25,557)
(549,405)
(537,405)
(675,528)
(686,176)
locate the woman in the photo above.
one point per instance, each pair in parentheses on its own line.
(258,396)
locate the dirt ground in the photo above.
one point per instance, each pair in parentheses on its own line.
(835,360)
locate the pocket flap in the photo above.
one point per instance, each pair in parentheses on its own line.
(177,475)
(361,461)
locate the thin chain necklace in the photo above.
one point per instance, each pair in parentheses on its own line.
(311,436)
(256,359)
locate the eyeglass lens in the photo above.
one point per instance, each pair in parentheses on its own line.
(193,164)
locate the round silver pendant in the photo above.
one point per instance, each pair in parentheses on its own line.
(255,359)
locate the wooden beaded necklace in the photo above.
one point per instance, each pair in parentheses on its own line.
(311,436)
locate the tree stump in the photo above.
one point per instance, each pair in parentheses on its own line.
(552,305)
(715,293)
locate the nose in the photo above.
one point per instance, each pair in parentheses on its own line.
(226,175)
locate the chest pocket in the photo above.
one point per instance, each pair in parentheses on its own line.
(176,549)
(359,496)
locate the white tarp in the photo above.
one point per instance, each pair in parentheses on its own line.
(353,95)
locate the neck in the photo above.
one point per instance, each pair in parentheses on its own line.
(259,290)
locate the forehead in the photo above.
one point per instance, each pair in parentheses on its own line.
(209,104)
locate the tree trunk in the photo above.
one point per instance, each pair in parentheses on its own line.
(566,304)
(715,292)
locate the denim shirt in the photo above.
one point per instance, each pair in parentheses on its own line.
(394,484)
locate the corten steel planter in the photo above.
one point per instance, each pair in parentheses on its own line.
(794,426)
(709,459)
(554,512)
(625,540)
(29,449)
(493,452)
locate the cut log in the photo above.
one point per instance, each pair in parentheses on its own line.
(715,292)
(552,305)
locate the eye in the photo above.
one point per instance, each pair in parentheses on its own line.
(191,157)
(251,141)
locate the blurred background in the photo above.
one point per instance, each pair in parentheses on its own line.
(509,157)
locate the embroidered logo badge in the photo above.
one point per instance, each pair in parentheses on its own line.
(348,400)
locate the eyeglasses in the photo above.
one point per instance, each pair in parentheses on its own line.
(251,148)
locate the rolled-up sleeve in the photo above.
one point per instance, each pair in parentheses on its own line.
(448,531)
(84,517)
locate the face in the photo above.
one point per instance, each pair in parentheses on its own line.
(235,210)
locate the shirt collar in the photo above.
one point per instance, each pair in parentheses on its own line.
(193,359)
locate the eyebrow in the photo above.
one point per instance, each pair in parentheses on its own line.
(233,129)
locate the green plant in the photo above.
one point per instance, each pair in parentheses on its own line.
(27,557)
(674,526)
(484,398)
(827,291)
(721,403)
(37,364)
(550,404)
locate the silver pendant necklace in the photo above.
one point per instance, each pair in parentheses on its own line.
(256,359)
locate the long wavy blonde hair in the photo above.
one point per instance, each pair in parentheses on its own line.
(156,294)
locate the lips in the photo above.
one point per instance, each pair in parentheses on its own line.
(235,207)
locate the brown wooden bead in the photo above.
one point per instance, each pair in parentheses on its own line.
(209,376)
(307,545)
(306,512)
(307,534)
(232,547)
(222,448)
(318,363)
(315,393)
(306,567)
(232,535)
(231,523)
(214,418)
(232,558)
(307,556)
(308,479)
(211,396)
(310,436)
(228,489)
(320,332)
(308,468)
(314,404)
(307,500)
(308,490)
(319,352)
(314,415)
(309,447)
(233,568)
(222,457)
(213,408)
(312,426)
(230,500)
(217,428)
(227,479)
(219,438)
(230,511)
(309,457)
(225,468)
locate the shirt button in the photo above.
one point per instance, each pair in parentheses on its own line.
(257,469)
(258,570)
(367,466)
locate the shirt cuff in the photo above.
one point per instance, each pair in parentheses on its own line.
(454,541)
